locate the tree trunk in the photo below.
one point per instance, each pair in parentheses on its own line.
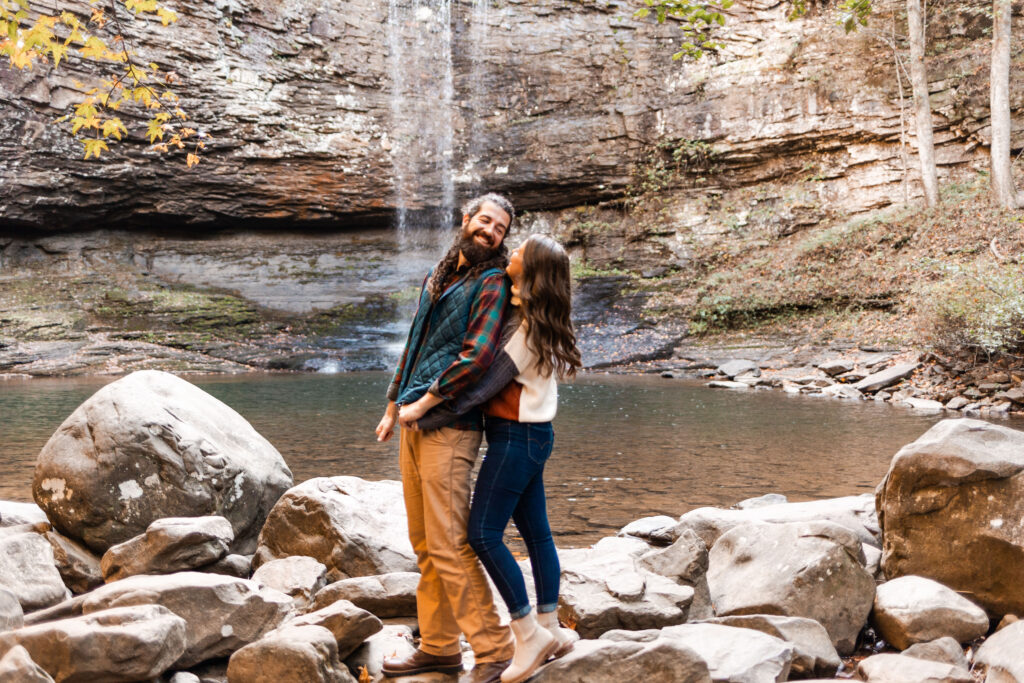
(1003,191)
(922,107)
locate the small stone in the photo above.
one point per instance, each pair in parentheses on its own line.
(836,367)
(944,649)
(169,545)
(891,668)
(914,609)
(298,576)
(718,384)
(957,402)
(733,368)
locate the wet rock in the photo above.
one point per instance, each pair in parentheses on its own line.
(732,654)
(299,654)
(298,576)
(913,609)
(392,640)
(742,386)
(239,566)
(603,588)
(124,644)
(813,653)
(11,614)
(923,404)
(885,378)
(890,668)
(17,514)
(957,492)
(28,570)
(608,661)
(734,368)
(222,613)
(645,527)
(836,367)
(354,527)
(946,650)
(17,667)
(148,446)
(856,513)
(843,391)
(685,562)
(801,569)
(78,566)
(349,624)
(386,595)
(1001,655)
(171,544)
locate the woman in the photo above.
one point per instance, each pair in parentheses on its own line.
(521,394)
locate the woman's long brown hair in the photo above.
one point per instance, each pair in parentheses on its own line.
(545,294)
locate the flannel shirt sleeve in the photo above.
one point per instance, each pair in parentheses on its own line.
(481,343)
(396,380)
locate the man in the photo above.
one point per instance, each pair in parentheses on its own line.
(453,340)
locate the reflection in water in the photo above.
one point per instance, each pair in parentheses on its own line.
(625,446)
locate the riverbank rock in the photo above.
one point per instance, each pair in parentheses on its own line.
(813,652)
(892,668)
(643,528)
(737,367)
(170,545)
(354,527)
(1001,655)
(222,613)
(28,570)
(300,654)
(350,625)
(732,654)
(16,514)
(12,616)
(686,563)
(943,649)
(949,507)
(297,576)
(802,569)
(856,513)
(885,378)
(79,567)
(123,644)
(386,595)
(913,609)
(393,640)
(239,566)
(626,661)
(151,445)
(17,667)
(602,589)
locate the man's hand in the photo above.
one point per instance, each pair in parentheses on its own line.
(412,412)
(386,428)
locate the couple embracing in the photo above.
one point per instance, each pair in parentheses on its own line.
(491,336)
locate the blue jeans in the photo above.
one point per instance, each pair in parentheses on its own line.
(511,486)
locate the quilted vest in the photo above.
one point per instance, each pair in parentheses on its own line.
(436,337)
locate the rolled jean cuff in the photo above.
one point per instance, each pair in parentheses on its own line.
(547,607)
(520,613)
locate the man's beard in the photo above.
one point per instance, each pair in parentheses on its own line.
(476,253)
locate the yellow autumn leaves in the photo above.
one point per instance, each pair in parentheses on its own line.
(28,37)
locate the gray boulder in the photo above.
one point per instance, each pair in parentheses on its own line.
(171,544)
(913,609)
(148,446)
(813,652)
(626,661)
(17,514)
(949,508)
(17,667)
(891,668)
(843,391)
(299,654)
(239,566)
(28,570)
(222,613)
(124,644)
(643,528)
(733,655)
(603,588)
(298,576)
(12,616)
(803,569)
(393,640)
(354,527)
(885,378)
(685,562)
(1000,654)
(386,596)
(349,624)
(734,368)
(79,567)
(836,367)
(944,649)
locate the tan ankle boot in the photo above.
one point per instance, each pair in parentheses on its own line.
(534,644)
(565,637)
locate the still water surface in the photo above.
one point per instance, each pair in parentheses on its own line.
(625,446)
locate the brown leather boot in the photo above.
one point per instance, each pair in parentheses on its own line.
(419,662)
(485,672)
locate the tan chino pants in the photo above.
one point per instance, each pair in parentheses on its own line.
(453,595)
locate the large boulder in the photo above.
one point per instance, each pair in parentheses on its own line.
(298,654)
(891,668)
(949,508)
(856,513)
(17,667)
(602,589)
(350,625)
(813,652)
(28,570)
(354,527)
(685,562)
(124,644)
(151,445)
(627,661)
(171,544)
(803,569)
(12,616)
(386,596)
(913,609)
(733,655)
(222,613)
(1001,655)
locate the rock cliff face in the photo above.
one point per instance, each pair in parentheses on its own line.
(557,102)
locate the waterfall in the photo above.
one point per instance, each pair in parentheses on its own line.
(479,25)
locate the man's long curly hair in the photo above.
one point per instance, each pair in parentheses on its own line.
(449,263)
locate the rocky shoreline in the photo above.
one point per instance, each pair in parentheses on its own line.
(169,543)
